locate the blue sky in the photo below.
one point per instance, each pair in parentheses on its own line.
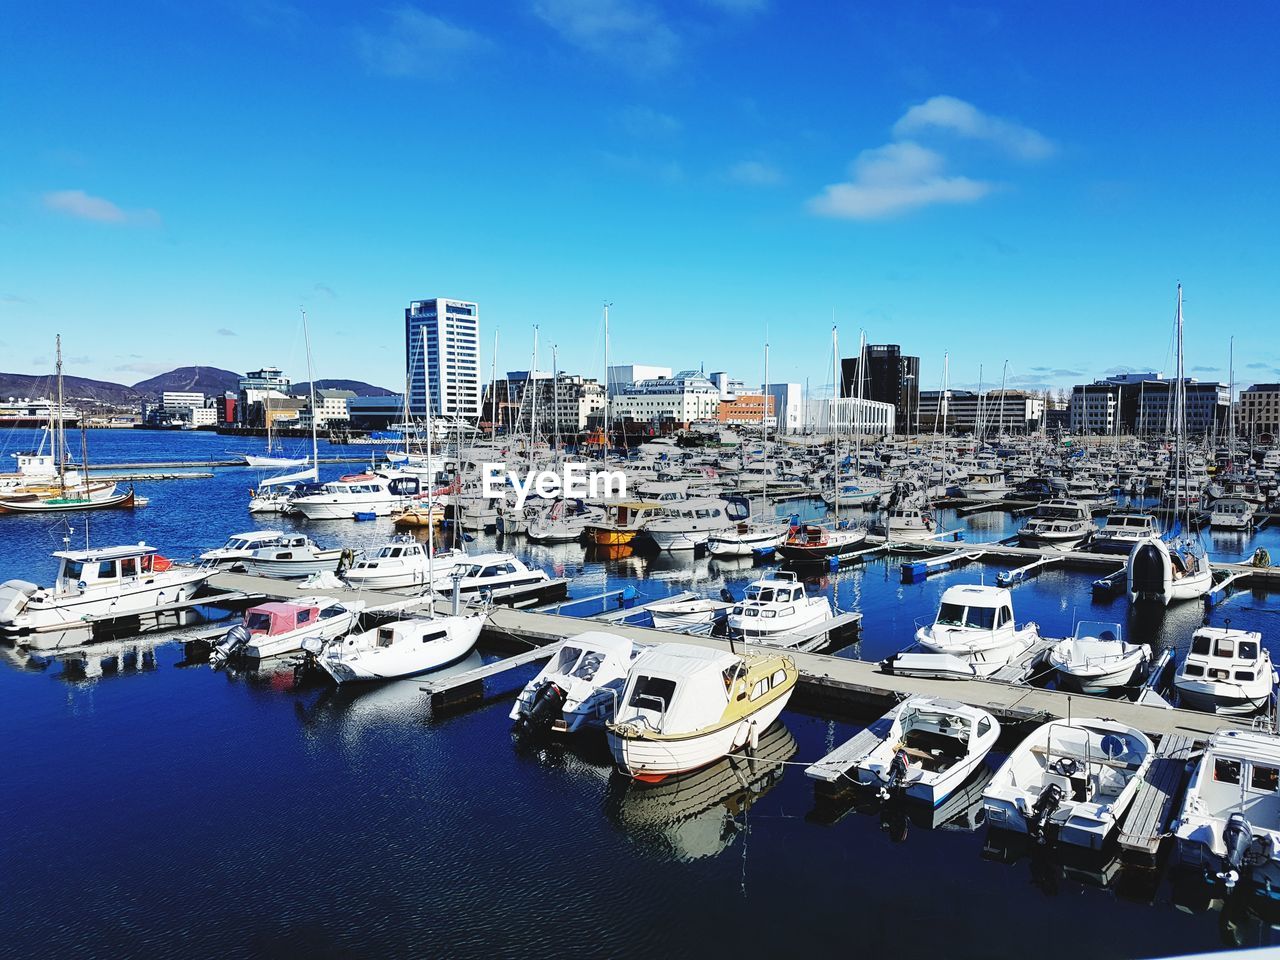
(1022,182)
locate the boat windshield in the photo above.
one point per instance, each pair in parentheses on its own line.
(951,615)
(1098,629)
(652,693)
(258,622)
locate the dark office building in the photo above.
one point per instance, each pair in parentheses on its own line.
(889,378)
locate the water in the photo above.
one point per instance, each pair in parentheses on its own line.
(163,808)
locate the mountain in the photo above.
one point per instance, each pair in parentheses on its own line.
(73,388)
(210,381)
(358,387)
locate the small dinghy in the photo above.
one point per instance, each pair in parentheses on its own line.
(942,666)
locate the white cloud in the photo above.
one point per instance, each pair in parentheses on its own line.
(892,179)
(755,173)
(624,32)
(416,44)
(953,115)
(85,206)
(647,123)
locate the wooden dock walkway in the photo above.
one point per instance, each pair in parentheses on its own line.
(469,686)
(832,769)
(1153,807)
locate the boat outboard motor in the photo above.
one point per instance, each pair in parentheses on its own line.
(544,706)
(1148,570)
(1238,837)
(726,595)
(1049,800)
(237,639)
(899,771)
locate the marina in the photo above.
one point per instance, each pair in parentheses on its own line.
(877,601)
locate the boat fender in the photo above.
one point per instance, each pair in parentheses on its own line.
(1238,838)
(753,735)
(1049,800)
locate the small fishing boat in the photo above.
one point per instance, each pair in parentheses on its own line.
(1226,671)
(1095,659)
(239,546)
(489,571)
(401,562)
(975,625)
(1057,523)
(814,543)
(404,648)
(1074,778)
(579,687)
(1229,824)
(747,536)
(776,607)
(279,627)
(105,581)
(684,707)
(929,747)
(1124,530)
(687,614)
(292,556)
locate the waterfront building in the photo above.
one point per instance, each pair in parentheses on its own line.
(992,412)
(748,410)
(684,398)
(729,387)
(848,416)
(1258,411)
(442,358)
(888,377)
(561,402)
(1142,404)
(623,377)
(788,406)
(331,409)
(375,413)
(260,390)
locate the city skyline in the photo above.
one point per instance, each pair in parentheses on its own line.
(1009,197)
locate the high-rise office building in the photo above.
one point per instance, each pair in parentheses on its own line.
(889,377)
(442,358)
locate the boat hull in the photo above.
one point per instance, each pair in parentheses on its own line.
(66,612)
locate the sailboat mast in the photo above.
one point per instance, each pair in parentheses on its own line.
(608,404)
(764,420)
(555,399)
(60,437)
(835,406)
(311,378)
(533,397)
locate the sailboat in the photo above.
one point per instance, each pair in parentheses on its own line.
(1175,567)
(273,493)
(66,490)
(270,462)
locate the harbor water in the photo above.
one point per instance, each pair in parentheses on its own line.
(157,807)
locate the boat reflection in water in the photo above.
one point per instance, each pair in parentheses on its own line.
(1061,868)
(96,660)
(1244,918)
(961,812)
(698,814)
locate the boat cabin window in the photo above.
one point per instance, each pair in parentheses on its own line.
(1264,778)
(72,569)
(146,563)
(652,693)
(1006,615)
(568,657)
(951,615)
(304,616)
(1244,675)
(330,612)
(107,570)
(1226,771)
(779,676)
(129,567)
(760,689)
(981,618)
(258,622)
(1225,648)
(1193,670)
(1200,645)
(590,664)
(1248,650)
(386,636)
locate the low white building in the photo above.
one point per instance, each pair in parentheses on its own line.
(788,406)
(684,398)
(849,415)
(622,377)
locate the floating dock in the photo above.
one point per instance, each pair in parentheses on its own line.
(1150,814)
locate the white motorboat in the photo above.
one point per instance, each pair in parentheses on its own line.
(292,556)
(279,627)
(404,648)
(688,524)
(776,607)
(579,687)
(489,571)
(1229,825)
(1160,572)
(1096,659)
(985,485)
(975,625)
(232,554)
(1226,671)
(688,614)
(378,493)
(929,747)
(402,562)
(102,582)
(745,537)
(907,523)
(1057,523)
(1073,778)
(1232,513)
(564,521)
(684,707)
(1123,531)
